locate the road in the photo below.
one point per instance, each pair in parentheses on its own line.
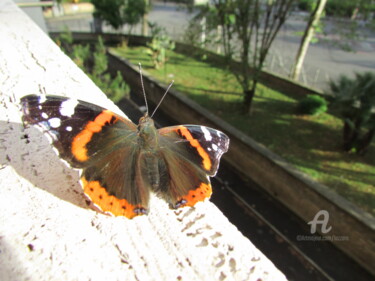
(323,61)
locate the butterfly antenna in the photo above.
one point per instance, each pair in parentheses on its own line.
(166,92)
(143,88)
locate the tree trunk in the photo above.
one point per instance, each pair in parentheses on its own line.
(366,141)
(97,25)
(248,99)
(145,25)
(306,38)
(347,135)
(145,19)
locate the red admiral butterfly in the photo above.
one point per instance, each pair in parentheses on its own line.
(122,162)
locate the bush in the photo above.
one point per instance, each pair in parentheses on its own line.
(100,60)
(312,105)
(65,40)
(159,45)
(80,55)
(94,62)
(355,100)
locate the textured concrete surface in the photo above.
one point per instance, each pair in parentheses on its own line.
(47,231)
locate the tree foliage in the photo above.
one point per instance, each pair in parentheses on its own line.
(117,13)
(343,8)
(355,99)
(348,20)
(248,29)
(350,8)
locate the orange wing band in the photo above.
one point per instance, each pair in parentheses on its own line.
(202,153)
(108,203)
(80,141)
(200,194)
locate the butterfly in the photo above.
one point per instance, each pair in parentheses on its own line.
(122,163)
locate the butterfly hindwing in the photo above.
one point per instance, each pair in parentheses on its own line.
(187,183)
(115,182)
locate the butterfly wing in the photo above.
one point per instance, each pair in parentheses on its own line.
(191,153)
(98,141)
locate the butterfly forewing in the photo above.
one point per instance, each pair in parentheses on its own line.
(70,123)
(202,145)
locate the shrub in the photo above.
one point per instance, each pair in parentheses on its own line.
(355,99)
(159,45)
(65,40)
(94,62)
(312,105)
(80,55)
(100,60)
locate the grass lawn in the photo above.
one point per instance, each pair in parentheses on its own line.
(310,143)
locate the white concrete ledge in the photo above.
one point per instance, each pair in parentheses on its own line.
(47,232)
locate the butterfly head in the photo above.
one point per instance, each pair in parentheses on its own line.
(147,132)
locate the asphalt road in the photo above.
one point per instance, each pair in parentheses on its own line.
(323,61)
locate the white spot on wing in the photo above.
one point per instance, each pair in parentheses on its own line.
(42,98)
(214,147)
(44,115)
(207,134)
(69,128)
(54,122)
(67,107)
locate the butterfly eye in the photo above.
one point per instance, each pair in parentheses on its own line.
(142,120)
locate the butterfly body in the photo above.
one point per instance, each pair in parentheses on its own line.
(122,162)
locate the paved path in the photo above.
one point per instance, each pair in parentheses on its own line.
(323,61)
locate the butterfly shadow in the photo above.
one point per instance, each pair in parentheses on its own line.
(31,155)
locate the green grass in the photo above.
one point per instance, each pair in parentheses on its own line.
(311,143)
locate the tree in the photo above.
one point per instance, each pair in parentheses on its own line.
(352,21)
(346,31)
(252,26)
(306,38)
(145,19)
(355,99)
(117,13)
